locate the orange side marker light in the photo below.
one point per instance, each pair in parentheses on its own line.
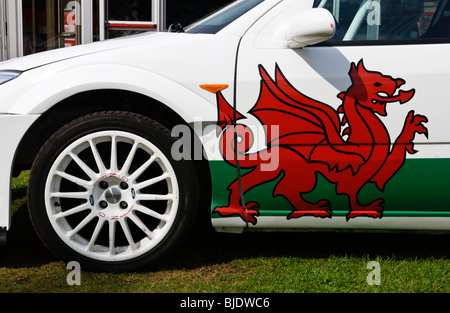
(214,88)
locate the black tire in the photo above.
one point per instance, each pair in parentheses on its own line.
(111,203)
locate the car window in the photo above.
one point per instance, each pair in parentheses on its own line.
(389,20)
(224,17)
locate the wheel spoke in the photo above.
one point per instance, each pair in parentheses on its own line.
(98,159)
(152,181)
(126,165)
(112,237)
(153,197)
(113,163)
(75,210)
(136,220)
(83,166)
(95,234)
(150,212)
(81,225)
(76,180)
(126,230)
(142,168)
(70,195)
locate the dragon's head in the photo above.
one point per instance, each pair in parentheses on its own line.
(374,90)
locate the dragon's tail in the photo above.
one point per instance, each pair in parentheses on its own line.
(235,144)
(235,141)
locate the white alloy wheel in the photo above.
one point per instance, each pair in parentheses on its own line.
(105,190)
(111,198)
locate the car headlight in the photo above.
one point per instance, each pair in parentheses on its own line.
(7,75)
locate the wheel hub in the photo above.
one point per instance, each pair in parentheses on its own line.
(113,195)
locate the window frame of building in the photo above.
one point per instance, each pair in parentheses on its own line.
(157,22)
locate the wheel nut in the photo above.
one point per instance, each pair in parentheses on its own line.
(123,185)
(104,184)
(103,204)
(123,204)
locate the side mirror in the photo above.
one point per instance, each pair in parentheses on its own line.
(309,27)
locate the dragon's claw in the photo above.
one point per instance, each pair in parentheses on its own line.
(373,210)
(251,212)
(248,214)
(372,214)
(320,209)
(413,125)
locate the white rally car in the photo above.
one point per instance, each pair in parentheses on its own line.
(268,114)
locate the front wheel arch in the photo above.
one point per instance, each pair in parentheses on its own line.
(86,103)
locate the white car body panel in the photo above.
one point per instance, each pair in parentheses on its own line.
(322,73)
(155,65)
(10,141)
(152,78)
(156,70)
(309,223)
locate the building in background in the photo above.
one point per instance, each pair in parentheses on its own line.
(32,26)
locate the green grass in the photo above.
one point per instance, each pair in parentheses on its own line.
(246,263)
(19,190)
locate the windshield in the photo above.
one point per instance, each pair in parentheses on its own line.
(217,21)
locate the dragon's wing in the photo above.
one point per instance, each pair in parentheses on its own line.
(280,104)
(322,110)
(304,125)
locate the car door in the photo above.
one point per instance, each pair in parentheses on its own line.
(351,132)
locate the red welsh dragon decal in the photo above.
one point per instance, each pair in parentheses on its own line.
(310,140)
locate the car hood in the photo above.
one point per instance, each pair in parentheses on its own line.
(43,58)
